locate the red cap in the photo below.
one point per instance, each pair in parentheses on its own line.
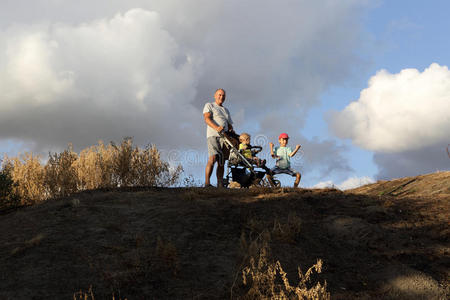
(283,136)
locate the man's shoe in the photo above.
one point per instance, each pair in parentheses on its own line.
(208,185)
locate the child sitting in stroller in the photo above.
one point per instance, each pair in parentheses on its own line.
(249,152)
(241,159)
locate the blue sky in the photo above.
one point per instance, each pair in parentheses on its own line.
(103,70)
(405,34)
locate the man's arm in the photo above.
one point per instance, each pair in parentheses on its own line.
(295,150)
(210,122)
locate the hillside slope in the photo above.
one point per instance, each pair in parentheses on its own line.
(424,185)
(194,243)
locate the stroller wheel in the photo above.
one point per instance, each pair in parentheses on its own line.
(276,183)
(257,182)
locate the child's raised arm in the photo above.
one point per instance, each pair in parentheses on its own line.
(295,150)
(271,150)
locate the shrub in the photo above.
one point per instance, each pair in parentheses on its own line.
(123,162)
(60,173)
(124,165)
(7,196)
(28,176)
(151,170)
(98,166)
(95,167)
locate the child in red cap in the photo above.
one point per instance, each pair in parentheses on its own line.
(283,155)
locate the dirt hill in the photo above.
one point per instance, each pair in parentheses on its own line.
(435,184)
(389,240)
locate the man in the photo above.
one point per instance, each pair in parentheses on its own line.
(217,119)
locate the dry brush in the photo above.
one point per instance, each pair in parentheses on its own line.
(26,180)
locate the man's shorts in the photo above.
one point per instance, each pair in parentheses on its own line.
(215,147)
(289,171)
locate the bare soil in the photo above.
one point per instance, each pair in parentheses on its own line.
(389,240)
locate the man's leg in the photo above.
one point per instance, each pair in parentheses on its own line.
(297,179)
(209,169)
(220,168)
(219,174)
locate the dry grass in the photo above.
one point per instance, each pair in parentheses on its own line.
(437,183)
(268,280)
(279,230)
(264,277)
(89,295)
(286,231)
(28,176)
(96,167)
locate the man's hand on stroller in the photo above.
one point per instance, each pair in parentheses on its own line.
(221,129)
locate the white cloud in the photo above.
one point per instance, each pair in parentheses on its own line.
(83,71)
(324,185)
(399,112)
(354,182)
(350,183)
(105,79)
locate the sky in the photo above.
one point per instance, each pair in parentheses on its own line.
(363,86)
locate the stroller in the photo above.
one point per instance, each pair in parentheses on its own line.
(239,168)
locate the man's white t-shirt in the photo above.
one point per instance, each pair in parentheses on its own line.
(220,115)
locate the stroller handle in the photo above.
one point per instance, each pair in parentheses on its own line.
(256,149)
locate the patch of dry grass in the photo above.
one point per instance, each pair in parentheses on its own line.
(96,167)
(89,295)
(437,183)
(280,230)
(287,231)
(268,280)
(264,277)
